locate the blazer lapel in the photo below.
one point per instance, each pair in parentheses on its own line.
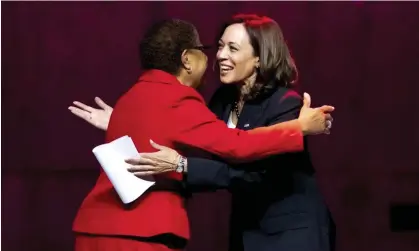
(251,115)
(253,112)
(227,111)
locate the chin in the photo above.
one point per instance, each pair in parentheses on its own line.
(226,80)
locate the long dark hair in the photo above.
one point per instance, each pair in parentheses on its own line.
(277,67)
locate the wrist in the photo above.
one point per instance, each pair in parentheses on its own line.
(181,166)
(303,127)
(185,168)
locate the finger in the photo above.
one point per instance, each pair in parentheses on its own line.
(327,131)
(83,106)
(142,168)
(307,100)
(142,174)
(326,108)
(140,161)
(157,146)
(102,104)
(133,161)
(328,124)
(80,113)
(328,117)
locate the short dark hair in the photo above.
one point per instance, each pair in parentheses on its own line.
(276,66)
(162,45)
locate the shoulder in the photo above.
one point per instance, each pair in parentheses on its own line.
(177,94)
(284,97)
(284,102)
(164,95)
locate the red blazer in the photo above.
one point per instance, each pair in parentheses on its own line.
(158,107)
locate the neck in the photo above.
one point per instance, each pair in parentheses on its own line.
(184,80)
(246,86)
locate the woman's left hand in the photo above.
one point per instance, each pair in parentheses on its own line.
(165,160)
(99,118)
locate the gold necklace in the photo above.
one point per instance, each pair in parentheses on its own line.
(236,109)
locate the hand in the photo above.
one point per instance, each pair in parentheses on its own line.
(315,120)
(165,160)
(99,118)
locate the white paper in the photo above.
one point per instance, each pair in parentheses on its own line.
(111,157)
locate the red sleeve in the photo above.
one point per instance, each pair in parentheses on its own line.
(196,126)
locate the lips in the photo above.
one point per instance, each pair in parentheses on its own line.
(224,68)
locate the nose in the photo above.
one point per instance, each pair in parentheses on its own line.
(222,53)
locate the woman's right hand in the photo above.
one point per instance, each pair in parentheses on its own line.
(96,117)
(165,160)
(315,120)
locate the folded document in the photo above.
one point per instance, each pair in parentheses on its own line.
(111,157)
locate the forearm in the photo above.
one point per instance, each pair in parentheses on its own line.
(198,128)
(206,174)
(244,146)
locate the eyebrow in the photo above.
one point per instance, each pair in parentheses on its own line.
(229,43)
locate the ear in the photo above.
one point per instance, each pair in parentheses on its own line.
(185,61)
(257,63)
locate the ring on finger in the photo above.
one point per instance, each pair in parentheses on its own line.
(328,124)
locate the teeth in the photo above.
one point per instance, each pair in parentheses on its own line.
(226,68)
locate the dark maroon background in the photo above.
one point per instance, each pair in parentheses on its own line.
(361,57)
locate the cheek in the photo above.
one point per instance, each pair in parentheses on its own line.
(246,69)
(204,64)
(242,70)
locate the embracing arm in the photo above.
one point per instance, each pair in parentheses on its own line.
(192,120)
(197,127)
(205,174)
(212,173)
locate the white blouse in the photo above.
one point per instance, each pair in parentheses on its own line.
(230,123)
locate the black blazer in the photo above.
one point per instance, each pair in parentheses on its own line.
(276,202)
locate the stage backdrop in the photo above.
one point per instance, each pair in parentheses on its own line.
(361,57)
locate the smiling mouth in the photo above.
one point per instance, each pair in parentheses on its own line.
(224,69)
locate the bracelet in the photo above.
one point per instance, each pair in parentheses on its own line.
(180,168)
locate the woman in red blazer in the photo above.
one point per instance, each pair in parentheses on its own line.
(163,106)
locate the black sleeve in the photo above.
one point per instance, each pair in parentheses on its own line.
(210,175)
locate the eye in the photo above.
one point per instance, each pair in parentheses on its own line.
(220,46)
(233,49)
